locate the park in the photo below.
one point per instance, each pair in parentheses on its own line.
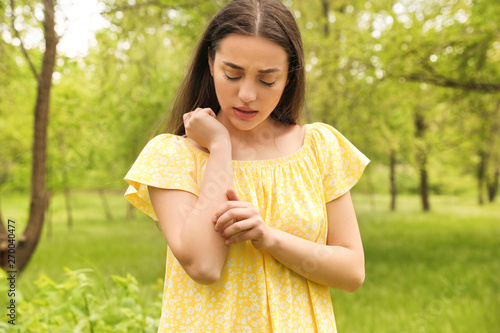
(415,85)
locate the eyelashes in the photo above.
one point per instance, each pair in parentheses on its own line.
(230,78)
(269,84)
(227,77)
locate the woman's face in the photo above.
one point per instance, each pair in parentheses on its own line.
(250,74)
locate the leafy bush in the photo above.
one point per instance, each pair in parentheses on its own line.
(82,303)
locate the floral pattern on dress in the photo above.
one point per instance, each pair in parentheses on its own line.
(255,293)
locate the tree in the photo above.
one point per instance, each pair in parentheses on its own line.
(26,244)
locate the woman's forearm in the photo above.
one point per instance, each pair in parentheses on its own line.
(333,266)
(203,248)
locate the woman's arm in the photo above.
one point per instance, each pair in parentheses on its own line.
(186,220)
(338,264)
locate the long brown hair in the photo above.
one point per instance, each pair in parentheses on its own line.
(260,18)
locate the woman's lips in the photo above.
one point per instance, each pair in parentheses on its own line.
(245,108)
(244,112)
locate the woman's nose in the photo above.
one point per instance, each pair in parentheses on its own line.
(247,91)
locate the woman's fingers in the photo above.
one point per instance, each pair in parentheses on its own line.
(186,116)
(237,214)
(236,227)
(210,112)
(228,205)
(239,221)
(232,195)
(245,230)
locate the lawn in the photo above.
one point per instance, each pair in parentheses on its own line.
(425,272)
(117,246)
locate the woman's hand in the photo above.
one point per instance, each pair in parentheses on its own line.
(239,221)
(203,127)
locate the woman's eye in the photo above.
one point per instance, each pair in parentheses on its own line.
(234,78)
(269,84)
(231,78)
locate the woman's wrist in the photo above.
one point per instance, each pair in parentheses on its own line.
(270,242)
(222,145)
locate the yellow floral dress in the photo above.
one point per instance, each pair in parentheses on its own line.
(255,293)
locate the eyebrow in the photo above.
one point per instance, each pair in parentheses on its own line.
(263,71)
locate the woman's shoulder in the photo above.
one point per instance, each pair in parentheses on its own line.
(321,128)
(326,139)
(324,134)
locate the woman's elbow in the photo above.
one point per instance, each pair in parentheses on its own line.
(202,270)
(356,280)
(202,274)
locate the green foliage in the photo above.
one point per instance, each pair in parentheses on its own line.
(17,93)
(362,58)
(81,303)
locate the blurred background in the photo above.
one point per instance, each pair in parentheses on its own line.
(414,84)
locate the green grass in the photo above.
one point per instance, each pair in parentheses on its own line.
(117,246)
(425,272)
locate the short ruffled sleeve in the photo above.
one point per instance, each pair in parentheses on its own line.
(340,161)
(165,162)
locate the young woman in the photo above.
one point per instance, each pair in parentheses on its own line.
(255,208)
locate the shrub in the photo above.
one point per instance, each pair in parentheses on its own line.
(82,303)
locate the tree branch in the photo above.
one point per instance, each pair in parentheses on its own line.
(439,80)
(23,49)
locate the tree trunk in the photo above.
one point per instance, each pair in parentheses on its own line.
(325,6)
(392,177)
(492,186)
(420,127)
(481,171)
(493,176)
(424,184)
(26,244)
